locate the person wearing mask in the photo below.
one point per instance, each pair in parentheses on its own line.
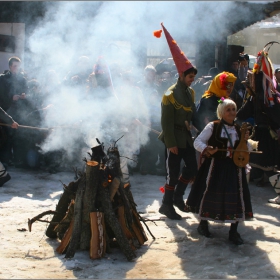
(264,108)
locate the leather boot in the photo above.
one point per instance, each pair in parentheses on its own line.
(178,199)
(203,229)
(169,212)
(234,236)
(167,208)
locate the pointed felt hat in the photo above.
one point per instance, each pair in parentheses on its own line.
(181,61)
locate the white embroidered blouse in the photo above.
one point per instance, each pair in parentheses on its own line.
(201,141)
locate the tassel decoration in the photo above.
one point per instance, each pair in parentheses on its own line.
(223,81)
(157,33)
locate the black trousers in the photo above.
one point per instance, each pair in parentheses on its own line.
(173,165)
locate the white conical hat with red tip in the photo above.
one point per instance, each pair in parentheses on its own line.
(181,61)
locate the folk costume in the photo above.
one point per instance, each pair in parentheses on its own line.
(177,109)
(220,191)
(263,106)
(207,106)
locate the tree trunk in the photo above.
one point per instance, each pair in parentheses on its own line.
(92,182)
(76,235)
(113,222)
(62,206)
(98,235)
(64,224)
(66,239)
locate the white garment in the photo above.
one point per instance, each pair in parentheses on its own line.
(201,141)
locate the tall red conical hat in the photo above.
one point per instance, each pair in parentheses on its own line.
(181,61)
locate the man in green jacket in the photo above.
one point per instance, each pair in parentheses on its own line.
(177,111)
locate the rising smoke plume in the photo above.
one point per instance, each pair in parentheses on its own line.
(73,29)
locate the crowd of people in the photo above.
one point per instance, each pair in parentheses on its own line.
(194,127)
(28,98)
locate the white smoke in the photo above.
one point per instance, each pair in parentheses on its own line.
(71,29)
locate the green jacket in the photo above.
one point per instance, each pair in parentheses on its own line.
(177,106)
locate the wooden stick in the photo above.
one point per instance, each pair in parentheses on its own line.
(226,150)
(38,128)
(77,226)
(25,126)
(153,130)
(66,239)
(63,205)
(31,221)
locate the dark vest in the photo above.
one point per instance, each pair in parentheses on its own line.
(217,141)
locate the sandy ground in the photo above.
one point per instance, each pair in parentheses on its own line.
(177,252)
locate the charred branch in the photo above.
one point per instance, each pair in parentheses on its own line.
(37,218)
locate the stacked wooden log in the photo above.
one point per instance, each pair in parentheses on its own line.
(97,211)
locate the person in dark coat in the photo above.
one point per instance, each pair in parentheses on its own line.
(13,92)
(5,118)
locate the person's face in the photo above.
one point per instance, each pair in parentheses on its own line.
(165,76)
(150,76)
(36,89)
(14,68)
(187,80)
(83,65)
(229,89)
(229,113)
(235,65)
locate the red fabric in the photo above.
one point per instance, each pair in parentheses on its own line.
(180,60)
(223,80)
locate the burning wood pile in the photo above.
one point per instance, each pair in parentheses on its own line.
(97,211)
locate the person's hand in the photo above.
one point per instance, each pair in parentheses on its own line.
(75,79)
(210,151)
(243,63)
(174,150)
(206,120)
(16,97)
(15,125)
(136,122)
(22,96)
(47,107)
